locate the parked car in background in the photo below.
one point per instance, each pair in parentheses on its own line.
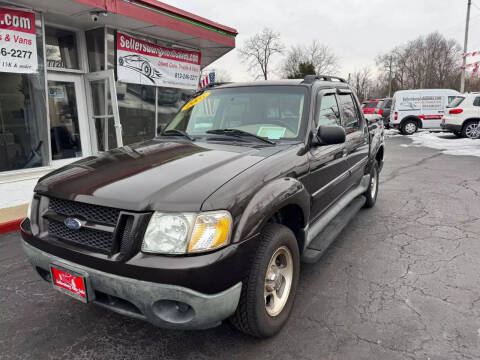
(369,106)
(422,108)
(166,96)
(383,109)
(121,89)
(462,116)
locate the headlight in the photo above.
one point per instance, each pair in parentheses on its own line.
(186,232)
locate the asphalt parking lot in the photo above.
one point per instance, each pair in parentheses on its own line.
(401,282)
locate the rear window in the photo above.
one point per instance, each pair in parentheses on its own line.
(476,102)
(387,104)
(456,101)
(370,105)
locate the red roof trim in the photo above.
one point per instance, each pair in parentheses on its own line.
(137,11)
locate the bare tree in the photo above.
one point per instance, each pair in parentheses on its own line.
(258,51)
(362,83)
(426,62)
(323,59)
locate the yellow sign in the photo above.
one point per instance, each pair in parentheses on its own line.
(195,101)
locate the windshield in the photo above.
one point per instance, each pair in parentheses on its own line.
(271,112)
(456,101)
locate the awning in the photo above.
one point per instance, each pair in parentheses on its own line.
(149,17)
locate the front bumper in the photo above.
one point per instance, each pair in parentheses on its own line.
(451,127)
(164,305)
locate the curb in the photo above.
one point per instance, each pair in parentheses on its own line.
(10,226)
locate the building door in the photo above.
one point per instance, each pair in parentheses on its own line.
(69,129)
(106,130)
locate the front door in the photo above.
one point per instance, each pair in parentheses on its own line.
(105,126)
(69,130)
(329,173)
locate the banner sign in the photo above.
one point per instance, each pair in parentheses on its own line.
(18,43)
(141,62)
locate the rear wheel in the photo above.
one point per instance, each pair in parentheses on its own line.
(269,289)
(471,129)
(409,127)
(372,190)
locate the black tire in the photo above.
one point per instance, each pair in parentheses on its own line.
(251,316)
(371,194)
(468,130)
(409,127)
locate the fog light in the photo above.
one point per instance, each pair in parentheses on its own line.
(172,311)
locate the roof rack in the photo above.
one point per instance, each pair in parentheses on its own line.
(309,79)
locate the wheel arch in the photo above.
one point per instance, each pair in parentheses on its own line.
(414,118)
(284,201)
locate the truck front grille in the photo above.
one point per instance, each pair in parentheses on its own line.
(100,240)
(93,213)
(105,230)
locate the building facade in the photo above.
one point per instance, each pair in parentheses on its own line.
(82,76)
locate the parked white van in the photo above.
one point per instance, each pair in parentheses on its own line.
(422,108)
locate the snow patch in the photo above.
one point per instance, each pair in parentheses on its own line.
(392,133)
(447,143)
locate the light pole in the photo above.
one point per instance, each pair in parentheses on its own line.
(462,79)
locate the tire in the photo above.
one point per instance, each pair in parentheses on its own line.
(471,129)
(409,127)
(256,314)
(372,190)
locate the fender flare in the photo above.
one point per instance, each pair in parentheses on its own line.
(267,201)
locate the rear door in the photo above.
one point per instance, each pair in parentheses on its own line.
(329,175)
(356,145)
(433,107)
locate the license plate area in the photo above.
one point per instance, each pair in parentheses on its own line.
(70,282)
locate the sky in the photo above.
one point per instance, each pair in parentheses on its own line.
(356,31)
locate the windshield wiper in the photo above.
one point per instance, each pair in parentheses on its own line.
(178,132)
(239,133)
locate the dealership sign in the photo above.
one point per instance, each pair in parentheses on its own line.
(141,62)
(18,43)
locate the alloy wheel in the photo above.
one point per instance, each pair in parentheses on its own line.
(278,281)
(473,130)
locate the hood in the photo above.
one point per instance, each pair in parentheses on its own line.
(154,175)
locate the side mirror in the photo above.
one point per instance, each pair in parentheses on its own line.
(329,135)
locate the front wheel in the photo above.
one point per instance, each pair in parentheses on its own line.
(372,190)
(269,289)
(409,127)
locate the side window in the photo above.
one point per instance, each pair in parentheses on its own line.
(328,113)
(349,111)
(450,99)
(476,102)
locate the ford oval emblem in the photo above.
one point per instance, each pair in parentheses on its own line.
(72,223)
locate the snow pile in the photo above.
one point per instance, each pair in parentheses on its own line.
(448,144)
(392,132)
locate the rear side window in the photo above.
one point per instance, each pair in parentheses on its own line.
(328,114)
(476,102)
(457,100)
(350,117)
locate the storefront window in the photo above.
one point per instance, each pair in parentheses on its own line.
(103,115)
(96,49)
(61,48)
(23,118)
(64,127)
(136,105)
(169,101)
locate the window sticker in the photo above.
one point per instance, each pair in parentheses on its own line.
(271,132)
(195,101)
